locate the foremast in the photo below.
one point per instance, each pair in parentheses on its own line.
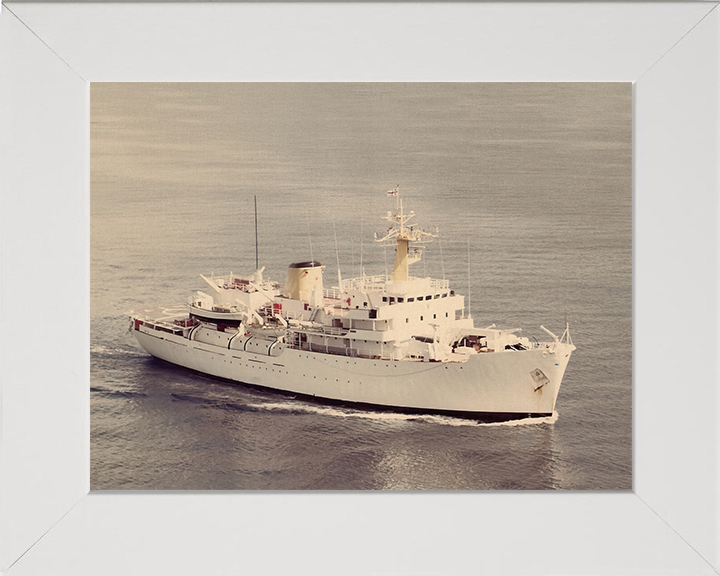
(403,234)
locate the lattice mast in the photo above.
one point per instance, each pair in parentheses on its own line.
(403,234)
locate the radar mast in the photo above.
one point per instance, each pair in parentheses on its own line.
(403,235)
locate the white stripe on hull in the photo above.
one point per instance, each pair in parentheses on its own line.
(498,382)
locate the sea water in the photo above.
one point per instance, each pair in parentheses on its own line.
(529,187)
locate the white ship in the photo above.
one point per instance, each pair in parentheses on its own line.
(400,343)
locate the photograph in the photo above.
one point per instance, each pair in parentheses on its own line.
(361,286)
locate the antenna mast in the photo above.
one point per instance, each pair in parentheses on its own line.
(469,308)
(361,244)
(403,236)
(337,255)
(307,217)
(257,261)
(442,260)
(566,335)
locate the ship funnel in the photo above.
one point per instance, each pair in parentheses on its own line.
(304,282)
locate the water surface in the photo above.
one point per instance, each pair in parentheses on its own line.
(535,178)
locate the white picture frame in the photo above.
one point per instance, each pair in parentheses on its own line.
(50,523)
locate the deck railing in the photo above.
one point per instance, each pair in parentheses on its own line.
(332,293)
(377,283)
(336,350)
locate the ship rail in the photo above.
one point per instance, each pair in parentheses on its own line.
(332,294)
(535,344)
(378,282)
(335,330)
(164,325)
(368,283)
(439,284)
(349,352)
(328,330)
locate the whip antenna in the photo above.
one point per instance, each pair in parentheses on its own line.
(337,255)
(469,309)
(442,260)
(257,261)
(362,218)
(307,217)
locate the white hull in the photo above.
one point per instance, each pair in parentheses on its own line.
(500,384)
(398,342)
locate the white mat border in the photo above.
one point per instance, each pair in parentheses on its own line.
(49,53)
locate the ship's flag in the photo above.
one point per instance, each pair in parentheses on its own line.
(393,192)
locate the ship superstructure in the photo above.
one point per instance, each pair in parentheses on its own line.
(399,342)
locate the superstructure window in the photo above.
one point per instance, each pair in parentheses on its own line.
(420,298)
(444,295)
(384,298)
(411,299)
(392,299)
(400,300)
(428,297)
(421,318)
(437,295)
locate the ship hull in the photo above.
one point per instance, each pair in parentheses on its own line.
(492,386)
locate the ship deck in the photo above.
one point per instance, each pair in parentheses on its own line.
(161,314)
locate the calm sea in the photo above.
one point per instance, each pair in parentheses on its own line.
(534,178)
